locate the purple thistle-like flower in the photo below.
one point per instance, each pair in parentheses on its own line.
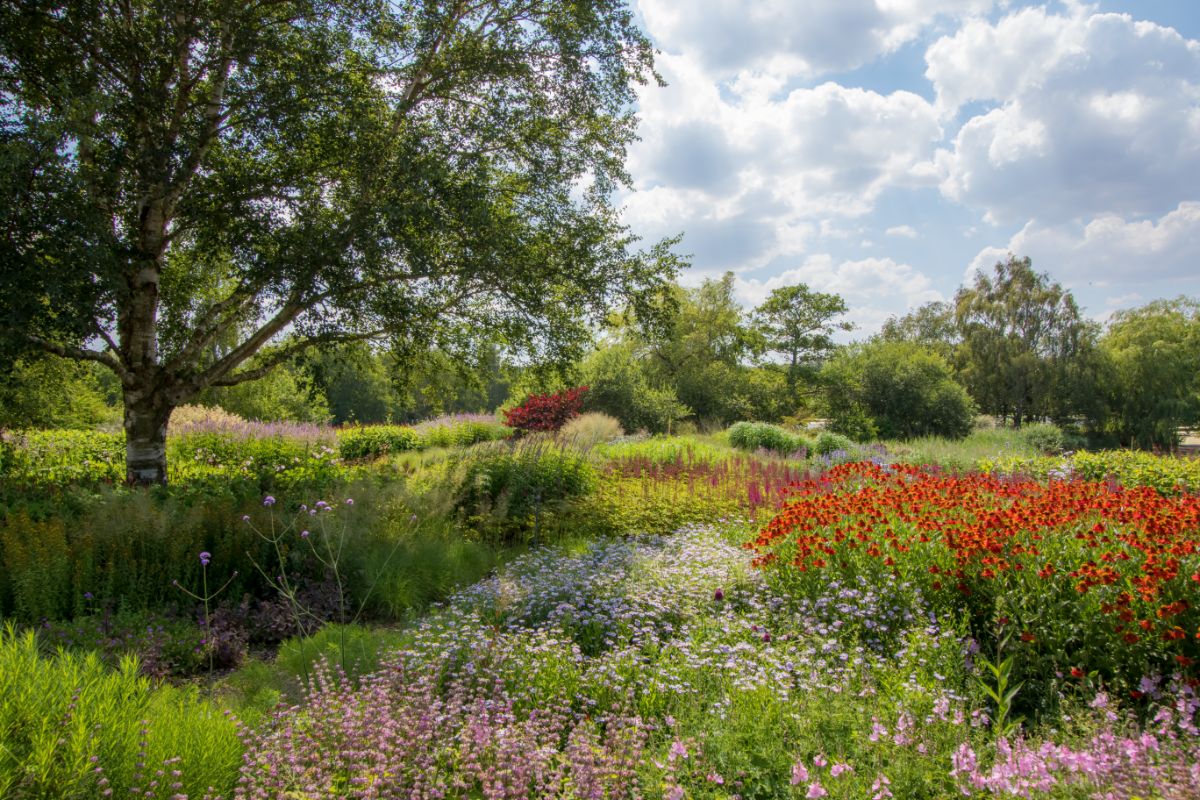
(303,534)
(349,501)
(87,596)
(719,595)
(268,500)
(205,557)
(245,517)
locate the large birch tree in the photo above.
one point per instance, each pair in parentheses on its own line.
(197,190)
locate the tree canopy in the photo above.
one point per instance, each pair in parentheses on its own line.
(799,323)
(1154,386)
(1020,333)
(200,190)
(896,390)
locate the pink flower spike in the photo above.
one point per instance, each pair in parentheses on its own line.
(815,789)
(799,773)
(819,761)
(840,769)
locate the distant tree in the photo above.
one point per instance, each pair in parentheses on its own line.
(441,382)
(931,325)
(620,387)
(896,390)
(699,350)
(305,173)
(284,394)
(1155,360)
(1020,335)
(799,323)
(354,382)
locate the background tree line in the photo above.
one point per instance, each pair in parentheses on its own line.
(1013,345)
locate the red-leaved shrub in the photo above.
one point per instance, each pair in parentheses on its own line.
(546,412)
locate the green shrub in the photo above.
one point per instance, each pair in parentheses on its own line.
(60,458)
(619,385)
(74,728)
(510,489)
(1044,437)
(376,440)
(125,551)
(828,442)
(900,389)
(764,436)
(355,649)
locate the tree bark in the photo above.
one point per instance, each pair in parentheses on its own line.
(146,416)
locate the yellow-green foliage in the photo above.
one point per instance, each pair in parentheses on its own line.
(626,505)
(1166,474)
(228,461)
(376,440)
(983,444)
(70,727)
(588,430)
(61,457)
(663,449)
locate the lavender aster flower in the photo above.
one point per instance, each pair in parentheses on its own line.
(205,557)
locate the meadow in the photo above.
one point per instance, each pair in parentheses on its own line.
(446,610)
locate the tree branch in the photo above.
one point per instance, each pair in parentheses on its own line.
(253,343)
(284,353)
(79,354)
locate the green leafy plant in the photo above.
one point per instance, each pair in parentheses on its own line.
(375,441)
(998,686)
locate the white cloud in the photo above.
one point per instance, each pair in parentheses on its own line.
(1110,250)
(905,231)
(716,165)
(873,288)
(784,37)
(1095,114)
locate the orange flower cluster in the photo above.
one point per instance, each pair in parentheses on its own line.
(958,533)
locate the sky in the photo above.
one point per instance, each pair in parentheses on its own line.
(886,149)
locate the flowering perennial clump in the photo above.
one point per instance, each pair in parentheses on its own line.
(1105,575)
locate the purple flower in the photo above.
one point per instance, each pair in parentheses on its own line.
(303,534)
(205,557)
(719,595)
(349,501)
(268,500)
(245,517)
(87,596)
